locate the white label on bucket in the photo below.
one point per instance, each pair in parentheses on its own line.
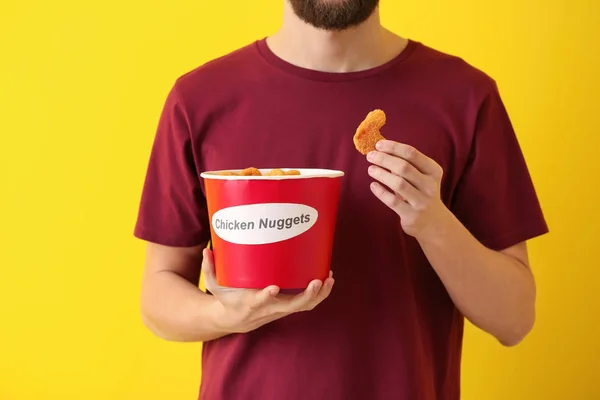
(263,223)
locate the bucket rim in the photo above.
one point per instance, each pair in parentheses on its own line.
(305,173)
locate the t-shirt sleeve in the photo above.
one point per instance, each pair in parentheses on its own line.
(172,209)
(495,197)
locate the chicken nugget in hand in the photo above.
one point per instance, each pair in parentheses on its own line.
(368,132)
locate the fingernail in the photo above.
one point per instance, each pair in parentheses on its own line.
(371,169)
(379,145)
(317,286)
(371,155)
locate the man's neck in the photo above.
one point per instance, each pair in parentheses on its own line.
(363,47)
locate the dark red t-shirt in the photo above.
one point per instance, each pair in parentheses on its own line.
(389,329)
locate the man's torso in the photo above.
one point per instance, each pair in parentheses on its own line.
(389,329)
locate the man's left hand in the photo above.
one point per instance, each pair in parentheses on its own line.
(415,182)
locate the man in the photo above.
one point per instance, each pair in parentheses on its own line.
(431,227)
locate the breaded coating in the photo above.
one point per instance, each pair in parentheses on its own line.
(256,172)
(251,171)
(368,134)
(276,172)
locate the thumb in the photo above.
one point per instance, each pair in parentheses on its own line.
(208,269)
(264,297)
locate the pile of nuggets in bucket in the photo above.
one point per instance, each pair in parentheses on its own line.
(366,136)
(256,172)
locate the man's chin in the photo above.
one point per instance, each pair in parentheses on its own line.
(334,15)
(333,26)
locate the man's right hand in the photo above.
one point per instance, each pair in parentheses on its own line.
(243,310)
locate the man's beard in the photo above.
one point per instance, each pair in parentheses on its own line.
(334,15)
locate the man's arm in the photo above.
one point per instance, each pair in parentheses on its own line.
(175,309)
(172,305)
(494,290)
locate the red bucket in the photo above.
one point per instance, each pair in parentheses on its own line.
(272,230)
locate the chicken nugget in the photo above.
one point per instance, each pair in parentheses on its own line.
(276,172)
(368,134)
(226,173)
(251,171)
(292,172)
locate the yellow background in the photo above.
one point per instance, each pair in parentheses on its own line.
(81,87)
